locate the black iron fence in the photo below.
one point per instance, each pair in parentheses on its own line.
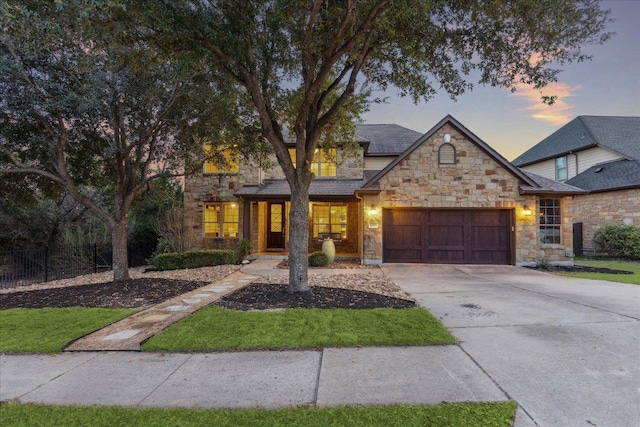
(20,267)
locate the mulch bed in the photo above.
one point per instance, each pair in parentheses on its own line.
(262,296)
(142,292)
(131,293)
(583,269)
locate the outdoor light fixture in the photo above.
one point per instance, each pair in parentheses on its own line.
(527,210)
(373,210)
(447,138)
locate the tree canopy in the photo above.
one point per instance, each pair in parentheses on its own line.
(86,103)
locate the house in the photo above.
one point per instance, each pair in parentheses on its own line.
(598,154)
(442,197)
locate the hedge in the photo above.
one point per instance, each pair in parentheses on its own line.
(619,240)
(195,259)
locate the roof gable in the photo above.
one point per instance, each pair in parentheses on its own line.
(372,183)
(620,134)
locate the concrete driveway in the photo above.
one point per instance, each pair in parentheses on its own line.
(567,350)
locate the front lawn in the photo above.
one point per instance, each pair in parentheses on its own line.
(48,330)
(448,414)
(633,266)
(215,328)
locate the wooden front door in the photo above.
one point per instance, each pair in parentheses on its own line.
(276,226)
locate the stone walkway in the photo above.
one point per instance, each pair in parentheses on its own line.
(129,333)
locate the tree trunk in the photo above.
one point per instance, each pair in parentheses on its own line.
(299,240)
(120,251)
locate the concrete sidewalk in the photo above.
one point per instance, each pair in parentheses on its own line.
(330,377)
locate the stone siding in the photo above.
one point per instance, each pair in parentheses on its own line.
(474,181)
(599,209)
(203,188)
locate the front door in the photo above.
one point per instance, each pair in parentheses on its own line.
(275,226)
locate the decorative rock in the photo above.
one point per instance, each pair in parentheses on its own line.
(245,262)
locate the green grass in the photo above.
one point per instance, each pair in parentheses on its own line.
(443,415)
(48,330)
(215,328)
(614,264)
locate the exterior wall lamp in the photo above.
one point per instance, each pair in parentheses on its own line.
(373,210)
(526,210)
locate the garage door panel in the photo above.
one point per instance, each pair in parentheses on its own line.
(441,235)
(400,236)
(489,237)
(447,236)
(445,217)
(402,217)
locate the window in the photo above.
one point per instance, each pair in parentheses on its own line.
(324,161)
(329,220)
(221,219)
(447,154)
(230,164)
(561,168)
(550,221)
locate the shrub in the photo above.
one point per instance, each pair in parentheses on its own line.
(243,249)
(318,259)
(619,240)
(194,259)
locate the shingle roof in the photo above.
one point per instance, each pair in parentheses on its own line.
(319,188)
(620,134)
(609,176)
(386,139)
(546,185)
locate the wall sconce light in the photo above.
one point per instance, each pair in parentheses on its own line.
(447,138)
(373,210)
(526,210)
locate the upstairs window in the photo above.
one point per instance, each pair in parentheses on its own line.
(329,220)
(550,221)
(221,219)
(561,169)
(230,165)
(323,163)
(447,154)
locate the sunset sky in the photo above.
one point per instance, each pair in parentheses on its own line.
(513,122)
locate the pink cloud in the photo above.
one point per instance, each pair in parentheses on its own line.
(559,113)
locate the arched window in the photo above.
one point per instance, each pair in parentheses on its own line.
(447,154)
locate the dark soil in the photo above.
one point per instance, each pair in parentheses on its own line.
(262,296)
(583,269)
(148,291)
(125,294)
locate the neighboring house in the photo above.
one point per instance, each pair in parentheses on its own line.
(441,197)
(598,154)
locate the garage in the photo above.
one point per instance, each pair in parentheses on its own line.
(448,236)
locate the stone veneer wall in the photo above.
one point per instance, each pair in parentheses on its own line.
(599,209)
(475,181)
(202,188)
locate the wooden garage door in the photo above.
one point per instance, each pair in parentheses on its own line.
(447,236)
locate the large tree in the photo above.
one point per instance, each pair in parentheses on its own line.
(303,63)
(86,103)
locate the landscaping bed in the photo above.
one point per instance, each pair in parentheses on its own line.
(263,296)
(587,269)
